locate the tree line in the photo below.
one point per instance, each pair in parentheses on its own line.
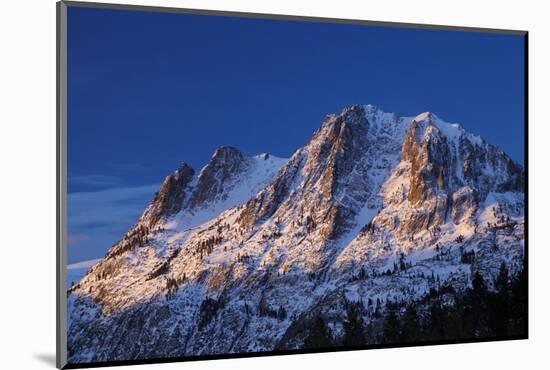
(477,312)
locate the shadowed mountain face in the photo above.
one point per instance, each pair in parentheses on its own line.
(250,253)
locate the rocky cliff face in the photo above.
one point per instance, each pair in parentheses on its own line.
(169,200)
(226,164)
(237,259)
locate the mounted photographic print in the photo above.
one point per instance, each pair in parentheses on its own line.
(234,184)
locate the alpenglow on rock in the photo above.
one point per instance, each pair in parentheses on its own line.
(245,255)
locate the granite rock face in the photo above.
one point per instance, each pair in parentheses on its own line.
(225,164)
(169,199)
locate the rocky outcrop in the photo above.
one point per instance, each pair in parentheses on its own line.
(226,164)
(316,176)
(487,168)
(426,148)
(168,201)
(450,171)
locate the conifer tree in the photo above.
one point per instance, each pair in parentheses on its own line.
(354,327)
(319,335)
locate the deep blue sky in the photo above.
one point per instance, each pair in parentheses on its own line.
(147,91)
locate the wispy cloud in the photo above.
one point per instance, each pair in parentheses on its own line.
(128,167)
(97,219)
(83,264)
(74,239)
(99,181)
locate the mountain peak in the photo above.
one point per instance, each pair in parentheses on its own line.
(369,108)
(226,163)
(227,159)
(353,112)
(183,168)
(451,131)
(226,151)
(426,117)
(263,156)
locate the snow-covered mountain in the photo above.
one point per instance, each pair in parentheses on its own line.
(243,256)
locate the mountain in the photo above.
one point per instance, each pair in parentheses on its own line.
(253,253)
